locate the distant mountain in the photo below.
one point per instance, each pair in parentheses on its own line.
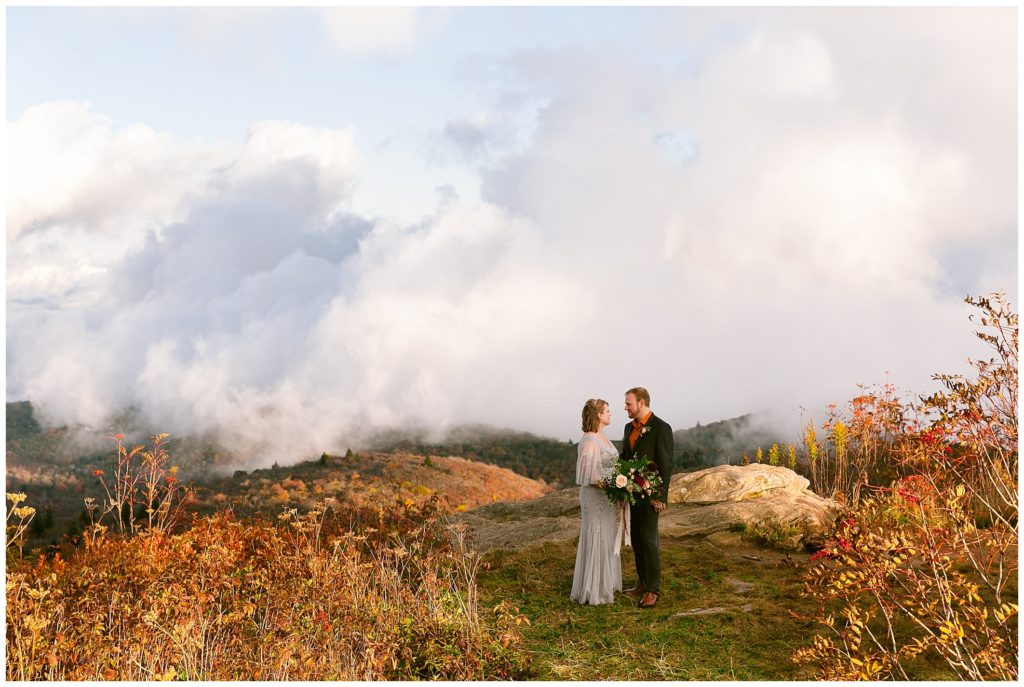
(20,420)
(718,443)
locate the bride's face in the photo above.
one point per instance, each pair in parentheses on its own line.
(605,416)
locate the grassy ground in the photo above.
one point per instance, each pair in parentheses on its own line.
(568,641)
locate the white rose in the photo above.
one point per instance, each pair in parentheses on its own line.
(620,481)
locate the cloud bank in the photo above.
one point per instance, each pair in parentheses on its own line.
(760,224)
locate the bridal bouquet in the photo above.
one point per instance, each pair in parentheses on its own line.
(630,481)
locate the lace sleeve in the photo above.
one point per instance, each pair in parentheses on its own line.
(588,462)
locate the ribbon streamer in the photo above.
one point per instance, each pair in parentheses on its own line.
(622,536)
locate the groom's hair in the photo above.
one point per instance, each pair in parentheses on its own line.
(591,409)
(641,395)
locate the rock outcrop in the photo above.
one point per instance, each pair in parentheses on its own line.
(733,483)
(784,519)
(767,504)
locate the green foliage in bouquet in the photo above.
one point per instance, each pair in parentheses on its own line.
(631,481)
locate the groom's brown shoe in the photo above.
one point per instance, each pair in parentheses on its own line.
(635,591)
(649,600)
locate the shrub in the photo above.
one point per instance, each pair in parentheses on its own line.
(377,594)
(19,518)
(774,535)
(927,564)
(857,447)
(143,493)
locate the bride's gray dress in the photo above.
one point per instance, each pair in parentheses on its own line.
(598,573)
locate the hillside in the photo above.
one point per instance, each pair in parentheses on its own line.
(539,458)
(717,443)
(366,479)
(469,465)
(55,469)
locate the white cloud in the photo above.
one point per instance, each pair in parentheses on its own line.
(68,165)
(83,192)
(805,247)
(311,169)
(764,230)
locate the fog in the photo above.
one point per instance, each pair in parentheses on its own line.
(759,228)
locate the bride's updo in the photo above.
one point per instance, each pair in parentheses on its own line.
(591,409)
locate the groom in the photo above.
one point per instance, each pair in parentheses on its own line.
(651,437)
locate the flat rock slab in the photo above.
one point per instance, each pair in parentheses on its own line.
(556,504)
(554,517)
(513,535)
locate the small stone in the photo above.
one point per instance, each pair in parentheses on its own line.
(714,610)
(725,538)
(739,586)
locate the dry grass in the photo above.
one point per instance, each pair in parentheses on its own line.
(309,597)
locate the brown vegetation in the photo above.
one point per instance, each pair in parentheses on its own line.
(378,588)
(310,597)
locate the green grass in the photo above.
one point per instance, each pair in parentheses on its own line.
(567,641)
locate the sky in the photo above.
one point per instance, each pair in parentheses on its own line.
(293,226)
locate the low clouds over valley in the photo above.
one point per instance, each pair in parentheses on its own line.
(758,222)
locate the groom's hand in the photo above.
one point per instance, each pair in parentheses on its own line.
(658,506)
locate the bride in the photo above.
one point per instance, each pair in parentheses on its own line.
(598,573)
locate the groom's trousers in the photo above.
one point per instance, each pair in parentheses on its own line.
(644,540)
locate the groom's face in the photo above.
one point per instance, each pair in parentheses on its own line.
(632,406)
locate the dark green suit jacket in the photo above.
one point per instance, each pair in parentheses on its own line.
(657,445)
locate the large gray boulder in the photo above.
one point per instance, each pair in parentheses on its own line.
(783,519)
(768,505)
(733,483)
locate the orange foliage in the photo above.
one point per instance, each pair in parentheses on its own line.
(385,593)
